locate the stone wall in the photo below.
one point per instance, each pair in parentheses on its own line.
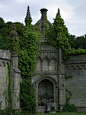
(75,66)
(4,59)
(12,59)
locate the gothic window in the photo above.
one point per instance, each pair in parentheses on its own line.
(45,65)
(38,65)
(52,65)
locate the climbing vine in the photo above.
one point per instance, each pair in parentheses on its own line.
(66,77)
(28,57)
(9,85)
(68,107)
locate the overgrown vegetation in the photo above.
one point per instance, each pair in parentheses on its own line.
(27,48)
(27,51)
(57,34)
(28,56)
(27,63)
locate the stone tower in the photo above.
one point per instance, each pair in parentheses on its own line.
(49,78)
(15,74)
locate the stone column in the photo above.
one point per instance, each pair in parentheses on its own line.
(15,82)
(61,80)
(15,72)
(59,56)
(43,19)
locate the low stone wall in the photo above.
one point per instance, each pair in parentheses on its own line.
(15,77)
(4,59)
(75,66)
(41,109)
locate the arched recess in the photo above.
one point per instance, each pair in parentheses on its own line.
(45,91)
(52,65)
(45,64)
(52,83)
(38,65)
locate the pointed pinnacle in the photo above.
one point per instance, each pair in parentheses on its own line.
(28,9)
(28,14)
(59,12)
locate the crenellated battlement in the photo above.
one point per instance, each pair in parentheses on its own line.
(75,66)
(5,54)
(76,59)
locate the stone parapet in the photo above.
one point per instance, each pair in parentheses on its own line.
(5,54)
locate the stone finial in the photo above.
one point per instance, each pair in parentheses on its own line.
(43,20)
(43,14)
(14,33)
(28,16)
(58,14)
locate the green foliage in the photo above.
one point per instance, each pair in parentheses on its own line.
(77,52)
(1,23)
(19,29)
(28,51)
(4,42)
(68,107)
(66,77)
(77,42)
(14,45)
(45,96)
(58,35)
(27,63)
(58,105)
(69,92)
(29,54)
(7,111)
(28,96)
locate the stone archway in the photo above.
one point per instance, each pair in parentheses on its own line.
(45,92)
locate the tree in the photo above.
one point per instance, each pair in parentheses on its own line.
(58,35)
(1,23)
(28,57)
(28,98)
(73,41)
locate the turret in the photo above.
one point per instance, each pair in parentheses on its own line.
(28,16)
(43,19)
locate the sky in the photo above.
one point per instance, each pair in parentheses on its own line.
(73,12)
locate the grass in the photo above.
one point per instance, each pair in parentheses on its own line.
(65,113)
(62,113)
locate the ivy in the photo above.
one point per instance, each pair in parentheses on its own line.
(9,85)
(69,107)
(66,77)
(57,34)
(28,57)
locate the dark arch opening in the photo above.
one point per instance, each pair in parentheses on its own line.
(45,92)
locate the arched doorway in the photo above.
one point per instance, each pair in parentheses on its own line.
(45,92)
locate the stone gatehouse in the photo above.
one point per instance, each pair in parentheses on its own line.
(49,82)
(51,72)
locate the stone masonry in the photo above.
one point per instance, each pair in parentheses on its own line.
(15,76)
(50,75)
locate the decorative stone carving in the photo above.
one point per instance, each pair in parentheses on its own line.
(14,34)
